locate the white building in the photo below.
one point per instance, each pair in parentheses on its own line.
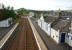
(31,14)
(45,23)
(57,28)
(6,22)
(68,39)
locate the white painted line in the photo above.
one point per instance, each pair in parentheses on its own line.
(39,41)
(6,37)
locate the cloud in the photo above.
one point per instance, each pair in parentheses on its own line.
(39,4)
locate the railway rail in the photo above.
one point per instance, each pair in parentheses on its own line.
(22,38)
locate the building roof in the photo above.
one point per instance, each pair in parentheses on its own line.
(65,13)
(61,24)
(50,19)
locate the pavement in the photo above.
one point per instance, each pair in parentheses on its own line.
(49,42)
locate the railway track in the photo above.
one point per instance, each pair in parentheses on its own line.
(22,38)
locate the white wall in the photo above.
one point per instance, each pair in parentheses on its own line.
(55,35)
(45,26)
(39,23)
(31,14)
(68,39)
(49,29)
(5,23)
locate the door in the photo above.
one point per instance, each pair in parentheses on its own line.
(63,37)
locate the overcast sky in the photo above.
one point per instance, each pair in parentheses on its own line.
(39,4)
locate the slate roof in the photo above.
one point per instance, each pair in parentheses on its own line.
(62,25)
(50,19)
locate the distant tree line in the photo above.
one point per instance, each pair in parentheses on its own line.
(22,12)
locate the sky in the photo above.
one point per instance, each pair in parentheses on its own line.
(39,4)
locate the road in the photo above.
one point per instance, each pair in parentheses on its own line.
(22,38)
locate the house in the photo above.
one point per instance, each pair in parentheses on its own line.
(59,30)
(45,23)
(6,23)
(31,14)
(49,20)
(68,37)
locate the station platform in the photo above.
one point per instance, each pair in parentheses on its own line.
(49,42)
(22,37)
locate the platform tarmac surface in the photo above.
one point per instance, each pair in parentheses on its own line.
(24,38)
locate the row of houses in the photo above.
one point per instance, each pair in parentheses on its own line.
(57,27)
(52,13)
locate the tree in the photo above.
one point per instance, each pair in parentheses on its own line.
(22,11)
(59,13)
(7,12)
